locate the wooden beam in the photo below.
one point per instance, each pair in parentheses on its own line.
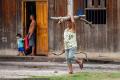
(65,18)
(70,7)
(80,17)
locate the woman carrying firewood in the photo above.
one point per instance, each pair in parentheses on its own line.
(70,45)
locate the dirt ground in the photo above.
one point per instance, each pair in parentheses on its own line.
(29,69)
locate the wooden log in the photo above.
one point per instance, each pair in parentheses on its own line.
(80,17)
(63,19)
(67,17)
(70,7)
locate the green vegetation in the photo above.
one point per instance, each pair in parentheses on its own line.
(85,76)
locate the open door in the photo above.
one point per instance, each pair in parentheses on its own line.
(42,27)
(39,8)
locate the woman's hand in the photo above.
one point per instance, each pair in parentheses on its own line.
(73,23)
(72,19)
(29,36)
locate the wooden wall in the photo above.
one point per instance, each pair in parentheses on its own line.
(0,23)
(91,39)
(56,8)
(103,38)
(118,24)
(9,23)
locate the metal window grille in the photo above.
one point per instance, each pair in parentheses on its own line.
(95,11)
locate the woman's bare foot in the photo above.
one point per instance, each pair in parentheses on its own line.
(31,54)
(21,54)
(70,72)
(81,65)
(18,54)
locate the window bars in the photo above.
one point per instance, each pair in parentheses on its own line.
(95,10)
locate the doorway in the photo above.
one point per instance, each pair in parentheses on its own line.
(39,9)
(30,10)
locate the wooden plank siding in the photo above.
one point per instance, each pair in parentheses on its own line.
(118,22)
(1,23)
(9,24)
(112,40)
(115,25)
(56,8)
(102,38)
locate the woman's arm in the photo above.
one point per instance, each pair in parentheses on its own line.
(73,23)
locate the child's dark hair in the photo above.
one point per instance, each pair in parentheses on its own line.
(19,35)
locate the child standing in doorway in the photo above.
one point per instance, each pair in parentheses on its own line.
(20,43)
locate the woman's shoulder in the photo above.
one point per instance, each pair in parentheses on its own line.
(73,31)
(66,30)
(70,30)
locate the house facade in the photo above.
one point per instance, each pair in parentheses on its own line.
(104,15)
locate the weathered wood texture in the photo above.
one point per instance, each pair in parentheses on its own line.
(118,26)
(103,38)
(112,25)
(10,19)
(56,8)
(0,23)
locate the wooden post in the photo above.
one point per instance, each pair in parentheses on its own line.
(70,7)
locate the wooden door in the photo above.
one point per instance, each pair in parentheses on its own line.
(42,27)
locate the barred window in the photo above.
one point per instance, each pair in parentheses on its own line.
(95,11)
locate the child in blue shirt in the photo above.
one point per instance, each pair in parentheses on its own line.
(20,43)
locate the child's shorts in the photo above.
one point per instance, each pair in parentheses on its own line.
(70,55)
(21,49)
